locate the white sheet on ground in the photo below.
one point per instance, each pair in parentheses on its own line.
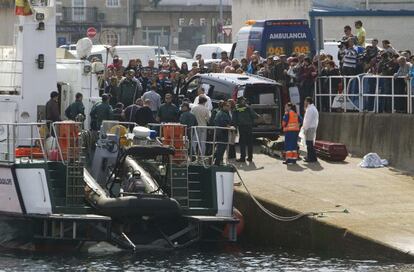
(372,160)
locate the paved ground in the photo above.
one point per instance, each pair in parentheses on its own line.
(380,201)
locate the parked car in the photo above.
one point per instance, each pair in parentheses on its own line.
(263,95)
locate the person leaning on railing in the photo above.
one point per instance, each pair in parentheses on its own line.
(387,66)
(411,74)
(400,84)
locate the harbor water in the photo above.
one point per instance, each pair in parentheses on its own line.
(234,258)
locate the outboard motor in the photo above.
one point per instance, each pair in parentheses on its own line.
(105,157)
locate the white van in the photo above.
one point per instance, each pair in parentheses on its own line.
(161,50)
(125,52)
(206,50)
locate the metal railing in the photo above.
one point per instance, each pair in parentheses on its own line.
(23,142)
(67,141)
(364,93)
(205,140)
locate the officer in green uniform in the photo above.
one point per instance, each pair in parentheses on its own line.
(222,119)
(100,111)
(243,119)
(168,112)
(76,108)
(129,89)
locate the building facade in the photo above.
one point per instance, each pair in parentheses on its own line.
(175,24)
(111,18)
(181,24)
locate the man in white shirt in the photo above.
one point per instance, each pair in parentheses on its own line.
(310,124)
(155,99)
(202,114)
(201,91)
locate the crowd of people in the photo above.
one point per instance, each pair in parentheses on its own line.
(125,84)
(149,93)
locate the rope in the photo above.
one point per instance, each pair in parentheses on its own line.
(279,217)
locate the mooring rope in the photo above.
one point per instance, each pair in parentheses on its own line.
(279,217)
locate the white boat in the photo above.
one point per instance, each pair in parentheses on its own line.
(125,189)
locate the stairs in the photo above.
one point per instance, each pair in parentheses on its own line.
(196,199)
(66,189)
(179,184)
(57,182)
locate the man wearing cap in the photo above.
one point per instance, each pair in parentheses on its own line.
(129,89)
(117,62)
(243,119)
(100,111)
(52,108)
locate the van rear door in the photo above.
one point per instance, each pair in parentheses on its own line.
(265,100)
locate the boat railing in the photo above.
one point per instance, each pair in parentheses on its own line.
(174,135)
(197,144)
(205,140)
(67,141)
(22,142)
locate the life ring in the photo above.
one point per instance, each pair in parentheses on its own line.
(239,226)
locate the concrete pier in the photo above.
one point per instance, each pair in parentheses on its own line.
(363,213)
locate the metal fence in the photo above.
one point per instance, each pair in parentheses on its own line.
(364,93)
(22,142)
(206,140)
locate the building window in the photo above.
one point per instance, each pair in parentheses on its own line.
(156,35)
(112,3)
(79,11)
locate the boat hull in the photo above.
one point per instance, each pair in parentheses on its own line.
(17,232)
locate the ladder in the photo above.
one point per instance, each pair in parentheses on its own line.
(179,166)
(195,191)
(179,180)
